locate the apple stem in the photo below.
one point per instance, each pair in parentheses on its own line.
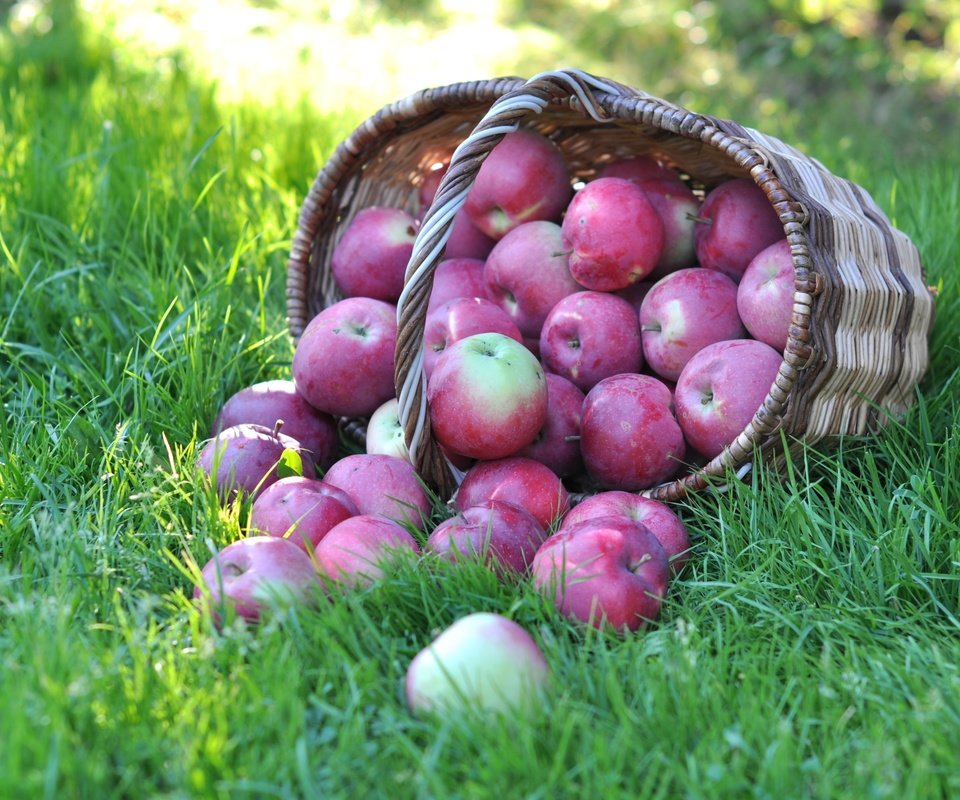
(277,426)
(562,253)
(698,218)
(640,562)
(573,437)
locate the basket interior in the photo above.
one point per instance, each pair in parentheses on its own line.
(391,171)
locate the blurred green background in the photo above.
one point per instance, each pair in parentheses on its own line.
(887,70)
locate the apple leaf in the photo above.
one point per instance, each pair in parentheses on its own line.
(290,465)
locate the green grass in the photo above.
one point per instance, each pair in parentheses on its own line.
(812,648)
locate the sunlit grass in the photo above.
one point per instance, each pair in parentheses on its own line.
(340,55)
(811,649)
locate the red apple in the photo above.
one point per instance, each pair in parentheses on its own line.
(629,436)
(483,662)
(523,178)
(343,363)
(638,169)
(371,257)
(246,459)
(526,274)
(589,336)
(606,571)
(269,402)
(429,183)
(382,484)
(456,277)
(301,510)
(662,520)
(635,293)
(683,313)
(355,552)
(721,389)
(459,318)
(466,240)
(678,208)
(557,445)
(533,345)
(765,295)
(737,223)
(251,575)
(614,232)
(520,481)
(504,535)
(487,397)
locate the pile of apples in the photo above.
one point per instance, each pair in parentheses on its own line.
(581,337)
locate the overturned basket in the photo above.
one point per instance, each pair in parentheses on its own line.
(858,341)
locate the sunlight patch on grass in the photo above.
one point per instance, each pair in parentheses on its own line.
(265,53)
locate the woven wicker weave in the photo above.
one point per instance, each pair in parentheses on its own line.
(862,312)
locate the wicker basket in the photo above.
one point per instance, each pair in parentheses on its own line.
(862,312)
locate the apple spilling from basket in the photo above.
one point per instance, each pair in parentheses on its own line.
(595,337)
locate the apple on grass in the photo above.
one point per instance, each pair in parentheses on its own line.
(384,485)
(482,663)
(736,222)
(355,552)
(526,274)
(683,313)
(343,363)
(253,574)
(721,389)
(661,520)
(629,436)
(269,402)
(609,572)
(517,480)
(589,336)
(487,397)
(459,318)
(247,458)
(523,178)
(614,233)
(371,257)
(301,510)
(502,534)
(557,445)
(765,295)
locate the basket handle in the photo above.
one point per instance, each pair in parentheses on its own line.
(503,117)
